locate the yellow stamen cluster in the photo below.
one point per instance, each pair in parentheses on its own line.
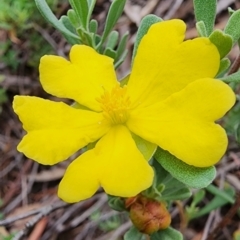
(115,104)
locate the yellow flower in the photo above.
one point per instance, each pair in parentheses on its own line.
(171,100)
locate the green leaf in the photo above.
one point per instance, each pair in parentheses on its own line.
(112,40)
(134,234)
(168,187)
(145,24)
(146,148)
(81,10)
(225,63)
(3,98)
(191,176)
(237,133)
(122,46)
(121,59)
(218,192)
(205,10)
(167,234)
(233,78)
(124,80)
(86,37)
(201,29)
(110,53)
(51,18)
(116,203)
(215,203)
(198,197)
(66,22)
(91,4)
(93,26)
(114,13)
(73,18)
(232,28)
(222,41)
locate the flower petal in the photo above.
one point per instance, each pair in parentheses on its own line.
(184,123)
(115,164)
(81,180)
(165,65)
(126,172)
(83,78)
(55,130)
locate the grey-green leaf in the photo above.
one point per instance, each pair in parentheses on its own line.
(122,45)
(201,29)
(116,203)
(73,18)
(205,10)
(146,148)
(232,26)
(81,10)
(91,4)
(134,234)
(51,18)
(121,59)
(171,188)
(110,53)
(112,40)
(222,41)
(124,80)
(233,78)
(145,24)
(224,66)
(114,13)
(93,26)
(216,203)
(167,234)
(68,24)
(191,176)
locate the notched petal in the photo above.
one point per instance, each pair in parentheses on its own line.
(55,130)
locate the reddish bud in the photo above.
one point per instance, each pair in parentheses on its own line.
(148,215)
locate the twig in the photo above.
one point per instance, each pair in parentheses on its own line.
(38,230)
(95,223)
(235,66)
(226,220)
(46,209)
(113,235)
(173,9)
(208,225)
(102,200)
(59,226)
(122,229)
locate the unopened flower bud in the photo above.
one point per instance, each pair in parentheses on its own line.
(148,215)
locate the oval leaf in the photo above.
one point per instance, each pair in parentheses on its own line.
(224,66)
(231,27)
(51,18)
(167,234)
(201,29)
(81,10)
(192,176)
(146,148)
(222,41)
(114,13)
(233,78)
(172,188)
(134,234)
(205,10)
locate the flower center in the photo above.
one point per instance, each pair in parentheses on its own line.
(115,104)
